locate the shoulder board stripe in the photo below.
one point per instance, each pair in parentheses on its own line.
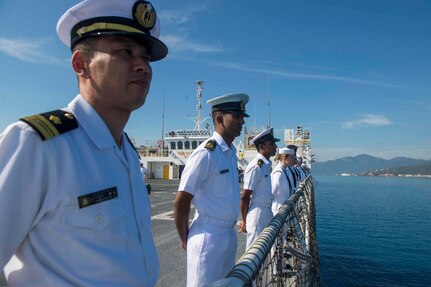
(42,126)
(51,124)
(211,144)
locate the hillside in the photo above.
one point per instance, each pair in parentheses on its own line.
(423,169)
(363,163)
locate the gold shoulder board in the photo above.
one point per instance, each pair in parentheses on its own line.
(211,144)
(260,163)
(51,124)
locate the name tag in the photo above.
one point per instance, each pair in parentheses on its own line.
(224,171)
(97,197)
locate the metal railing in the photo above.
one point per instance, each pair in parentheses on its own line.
(285,253)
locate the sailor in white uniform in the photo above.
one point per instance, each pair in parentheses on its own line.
(282,179)
(256,197)
(299,167)
(74,209)
(210,182)
(291,168)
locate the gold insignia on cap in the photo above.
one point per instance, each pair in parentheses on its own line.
(145,14)
(56,120)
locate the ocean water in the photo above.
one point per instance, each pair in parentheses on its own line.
(374,231)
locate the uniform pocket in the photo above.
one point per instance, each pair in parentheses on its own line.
(97,217)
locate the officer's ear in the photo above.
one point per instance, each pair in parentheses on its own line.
(79,64)
(218,117)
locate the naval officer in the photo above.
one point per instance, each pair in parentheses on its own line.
(256,197)
(74,209)
(210,182)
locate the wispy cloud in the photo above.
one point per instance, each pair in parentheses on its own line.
(368,120)
(180,44)
(28,51)
(295,75)
(177,23)
(181,16)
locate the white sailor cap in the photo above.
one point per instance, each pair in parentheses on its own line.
(266,135)
(292,146)
(130,18)
(230,103)
(285,150)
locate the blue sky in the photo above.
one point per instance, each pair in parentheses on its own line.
(357,74)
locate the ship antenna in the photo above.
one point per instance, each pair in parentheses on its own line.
(269,104)
(163,123)
(198,120)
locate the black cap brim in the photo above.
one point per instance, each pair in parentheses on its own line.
(244,114)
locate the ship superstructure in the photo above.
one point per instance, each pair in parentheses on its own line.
(167,159)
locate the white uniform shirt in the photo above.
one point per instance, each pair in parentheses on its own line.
(302,173)
(54,242)
(258,180)
(212,178)
(282,187)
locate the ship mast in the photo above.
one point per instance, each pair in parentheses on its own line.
(198,119)
(269,105)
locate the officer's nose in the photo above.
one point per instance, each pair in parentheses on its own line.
(142,64)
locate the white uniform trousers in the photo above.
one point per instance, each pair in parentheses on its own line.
(258,217)
(211,251)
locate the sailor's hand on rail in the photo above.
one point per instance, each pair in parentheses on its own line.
(242,228)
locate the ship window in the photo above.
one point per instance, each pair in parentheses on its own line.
(180,145)
(194,144)
(173,145)
(186,145)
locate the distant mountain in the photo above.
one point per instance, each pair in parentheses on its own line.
(362,163)
(423,169)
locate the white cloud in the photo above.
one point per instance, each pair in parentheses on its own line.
(28,51)
(179,16)
(368,120)
(296,75)
(180,44)
(177,24)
